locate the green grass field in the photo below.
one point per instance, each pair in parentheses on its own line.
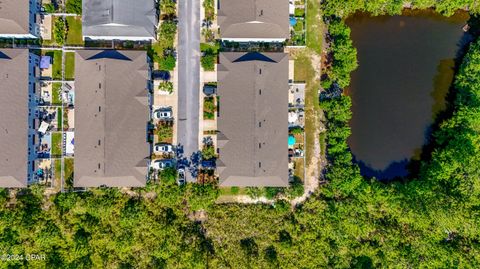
(74,34)
(57,63)
(314,26)
(59,118)
(57,143)
(56,93)
(70,65)
(68,171)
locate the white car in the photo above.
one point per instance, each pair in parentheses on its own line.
(162,114)
(163,148)
(181,176)
(162,164)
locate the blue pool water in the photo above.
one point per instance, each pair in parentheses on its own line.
(293,21)
(291,140)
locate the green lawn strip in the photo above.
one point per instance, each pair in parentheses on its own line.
(209,55)
(58,169)
(70,65)
(74,34)
(68,169)
(57,93)
(314,26)
(57,144)
(232,191)
(57,65)
(59,118)
(209,108)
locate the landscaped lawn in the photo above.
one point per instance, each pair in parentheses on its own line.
(209,108)
(57,63)
(57,93)
(57,144)
(165,132)
(70,65)
(59,118)
(74,34)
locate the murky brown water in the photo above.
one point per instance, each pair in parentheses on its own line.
(405,71)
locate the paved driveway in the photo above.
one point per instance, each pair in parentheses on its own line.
(188,85)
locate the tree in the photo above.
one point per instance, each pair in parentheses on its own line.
(59,31)
(74,6)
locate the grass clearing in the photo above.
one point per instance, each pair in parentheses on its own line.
(57,63)
(57,144)
(74,33)
(305,71)
(299,168)
(70,65)
(314,26)
(232,191)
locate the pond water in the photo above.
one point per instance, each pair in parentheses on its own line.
(406,67)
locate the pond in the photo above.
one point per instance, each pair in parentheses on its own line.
(406,67)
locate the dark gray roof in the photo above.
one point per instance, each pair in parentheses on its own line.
(111,116)
(14,117)
(14,17)
(253,121)
(119,18)
(257,19)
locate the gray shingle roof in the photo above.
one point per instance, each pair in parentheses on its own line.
(119,18)
(253,121)
(14,117)
(111,116)
(255,19)
(14,17)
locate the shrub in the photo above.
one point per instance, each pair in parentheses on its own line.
(164,132)
(299,12)
(167,63)
(166,86)
(49,8)
(208,152)
(255,192)
(273,192)
(208,62)
(296,130)
(234,190)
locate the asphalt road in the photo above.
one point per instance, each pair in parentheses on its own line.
(188,85)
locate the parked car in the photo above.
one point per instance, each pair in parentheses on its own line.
(209,89)
(209,164)
(163,113)
(162,164)
(181,176)
(163,148)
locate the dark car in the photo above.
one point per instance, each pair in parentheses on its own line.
(209,164)
(209,90)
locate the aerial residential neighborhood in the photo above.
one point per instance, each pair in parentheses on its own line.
(239,134)
(120,119)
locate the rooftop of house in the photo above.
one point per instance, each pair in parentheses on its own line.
(253,19)
(119,18)
(14,117)
(253,119)
(111,117)
(14,17)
